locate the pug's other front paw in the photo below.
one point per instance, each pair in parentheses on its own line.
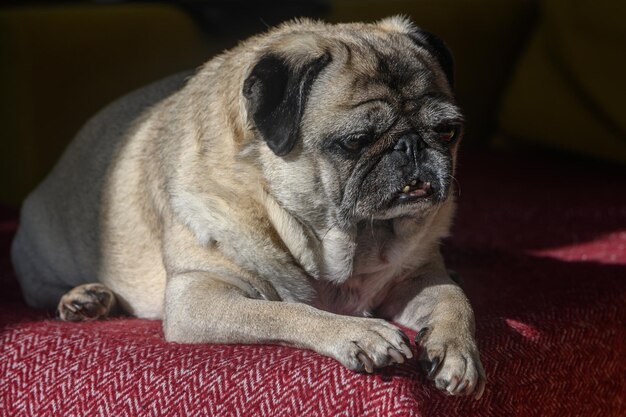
(452,361)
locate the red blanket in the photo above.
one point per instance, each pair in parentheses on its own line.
(540,245)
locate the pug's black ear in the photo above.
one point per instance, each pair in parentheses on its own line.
(277,94)
(438,49)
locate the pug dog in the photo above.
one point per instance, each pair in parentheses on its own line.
(293,190)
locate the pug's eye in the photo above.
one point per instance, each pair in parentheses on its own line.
(354,143)
(448,134)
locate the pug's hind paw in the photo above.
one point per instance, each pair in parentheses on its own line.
(86,302)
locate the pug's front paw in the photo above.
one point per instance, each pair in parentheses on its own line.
(364,344)
(452,361)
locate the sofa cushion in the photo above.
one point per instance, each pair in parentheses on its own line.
(539,244)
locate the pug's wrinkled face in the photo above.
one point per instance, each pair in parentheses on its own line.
(390,140)
(368,130)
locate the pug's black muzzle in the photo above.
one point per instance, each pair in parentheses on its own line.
(427,171)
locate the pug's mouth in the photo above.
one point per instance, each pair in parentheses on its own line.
(413,191)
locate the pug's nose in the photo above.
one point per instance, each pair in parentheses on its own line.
(410,144)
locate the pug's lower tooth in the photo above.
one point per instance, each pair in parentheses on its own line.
(406,189)
(413,182)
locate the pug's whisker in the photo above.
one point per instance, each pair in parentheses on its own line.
(458,185)
(265,23)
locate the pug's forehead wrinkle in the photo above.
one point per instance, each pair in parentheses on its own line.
(416,100)
(380,52)
(376,121)
(436,112)
(365,101)
(366,91)
(394,69)
(347,62)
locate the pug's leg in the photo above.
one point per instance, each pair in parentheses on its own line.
(86,302)
(436,307)
(199,308)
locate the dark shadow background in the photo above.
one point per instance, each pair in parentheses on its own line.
(545,73)
(529,71)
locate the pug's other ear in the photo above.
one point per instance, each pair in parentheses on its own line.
(277,93)
(438,49)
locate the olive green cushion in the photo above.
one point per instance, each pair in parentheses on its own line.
(569,88)
(60,64)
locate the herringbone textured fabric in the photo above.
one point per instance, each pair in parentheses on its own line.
(540,245)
